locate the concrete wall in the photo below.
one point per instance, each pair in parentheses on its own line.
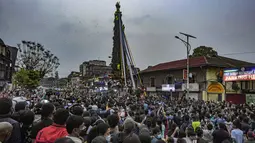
(161,78)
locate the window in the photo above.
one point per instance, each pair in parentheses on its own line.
(169,80)
(249,85)
(152,82)
(253,85)
(193,79)
(1,74)
(244,85)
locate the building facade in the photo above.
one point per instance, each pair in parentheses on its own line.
(240,84)
(94,68)
(8,56)
(48,82)
(205,77)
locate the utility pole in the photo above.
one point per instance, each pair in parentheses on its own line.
(188,46)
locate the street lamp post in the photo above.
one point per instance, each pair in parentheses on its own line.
(188,46)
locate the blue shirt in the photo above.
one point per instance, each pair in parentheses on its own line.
(237,134)
(220,120)
(145,106)
(154,140)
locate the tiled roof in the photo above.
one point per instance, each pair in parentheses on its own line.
(193,62)
(228,62)
(218,61)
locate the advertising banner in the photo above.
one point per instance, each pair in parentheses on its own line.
(239,75)
(168,87)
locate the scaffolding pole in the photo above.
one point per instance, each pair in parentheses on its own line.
(122,52)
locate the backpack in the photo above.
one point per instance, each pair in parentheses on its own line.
(114,138)
(229,140)
(121,137)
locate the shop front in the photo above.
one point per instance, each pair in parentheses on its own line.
(240,85)
(215,92)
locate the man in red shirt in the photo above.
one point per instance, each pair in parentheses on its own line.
(56,130)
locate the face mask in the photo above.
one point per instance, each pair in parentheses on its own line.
(108,138)
(159,136)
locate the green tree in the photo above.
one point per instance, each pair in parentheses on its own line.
(116,53)
(28,79)
(204,51)
(33,56)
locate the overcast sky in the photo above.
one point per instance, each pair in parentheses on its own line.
(80,30)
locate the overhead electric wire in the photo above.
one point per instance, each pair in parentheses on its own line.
(253,52)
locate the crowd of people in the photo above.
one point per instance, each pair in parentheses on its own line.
(111,118)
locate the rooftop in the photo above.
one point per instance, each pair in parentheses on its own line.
(217,61)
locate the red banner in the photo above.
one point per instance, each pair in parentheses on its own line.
(184,74)
(239,77)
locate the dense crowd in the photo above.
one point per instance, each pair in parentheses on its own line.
(111,118)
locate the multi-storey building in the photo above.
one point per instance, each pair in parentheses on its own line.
(8,56)
(94,68)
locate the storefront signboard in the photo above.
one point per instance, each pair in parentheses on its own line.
(239,75)
(168,87)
